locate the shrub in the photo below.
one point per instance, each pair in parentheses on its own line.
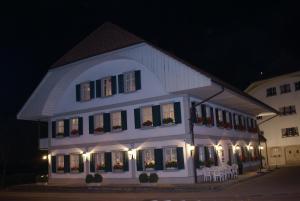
(153,178)
(143,178)
(41,178)
(98,178)
(89,178)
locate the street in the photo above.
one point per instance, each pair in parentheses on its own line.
(281,184)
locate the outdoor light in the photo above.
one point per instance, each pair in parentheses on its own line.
(132,153)
(191,147)
(86,156)
(237,147)
(44,157)
(250,147)
(260,147)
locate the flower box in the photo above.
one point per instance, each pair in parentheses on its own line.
(100,167)
(171,164)
(99,130)
(208,121)
(150,165)
(74,132)
(116,127)
(168,120)
(118,167)
(74,169)
(59,134)
(200,120)
(147,123)
(59,169)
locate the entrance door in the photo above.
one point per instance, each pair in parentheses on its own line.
(292,154)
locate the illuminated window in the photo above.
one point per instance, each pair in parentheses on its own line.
(85,91)
(117,160)
(289,132)
(60,128)
(98,123)
(100,161)
(168,113)
(74,162)
(106,86)
(170,158)
(74,126)
(146,116)
(60,163)
(129,82)
(149,162)
(116,122)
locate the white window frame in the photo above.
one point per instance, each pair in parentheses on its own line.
(113,119)
(85,94)
(142,115)
(172,159)
(74,126)
(58,131)
(98,127)
(74,158)
(60,163)
(129,82)
(120,163)
(151,163)
(170,114)
(99,165)
(106,89)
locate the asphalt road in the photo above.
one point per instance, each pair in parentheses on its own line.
(280,185)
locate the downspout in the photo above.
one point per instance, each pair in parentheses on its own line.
(192,119)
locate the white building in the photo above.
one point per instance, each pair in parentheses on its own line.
(117,105)
(282,131)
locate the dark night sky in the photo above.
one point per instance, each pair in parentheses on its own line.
(233,41)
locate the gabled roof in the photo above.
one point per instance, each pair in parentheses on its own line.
(107,37)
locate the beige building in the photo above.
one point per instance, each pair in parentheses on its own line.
(282,131)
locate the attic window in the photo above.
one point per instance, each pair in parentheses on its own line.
(129,82)
(85,91)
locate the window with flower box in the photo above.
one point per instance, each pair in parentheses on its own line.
(285,88)
(149,159)
(116,121)
(290,132)
(297,86)
(228,120)
(60,165)
(204,115)
(201,162)
(118,160)
(98,123)
(168,114)
(146,116)
(74,163)
(271,91)
(74,126)
(220,115)
(60,128)
(100,161)
(170,158)
(287,110)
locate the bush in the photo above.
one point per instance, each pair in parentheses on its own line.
(89,178)
(41,178)
(143,178)
(153,178)
(98,178)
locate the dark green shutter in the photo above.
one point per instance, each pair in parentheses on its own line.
(92,162)
(106,119)
(217,116)
(78,96)
(216,158)
(92,89)
(139,160)
(137,118)
(66,127)
(196,156)
(206,153)
(121,83)
(53,129)
(203,110)
(98,88)
(66,163)
(224,116)
(137,76)
(158,154)
(156,115)
(212,116)
(53,163)
(180,158)
(107,158)
(113,85)
(125,161)
(80,125)
(193,112)
(177,112)
(91,124)
(230,119)
(124,120)
(81,164)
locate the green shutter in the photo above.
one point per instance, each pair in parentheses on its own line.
(53,163)
(91,124)
(98,88)
(78,96)
(177,112)
(66,163)
(156,115)
(92,89)
(180,158)
(217,116)
(203,110)
(113,85)
(212,116)
(196,156)
(124,120)
(66,127)
(216,158)
(158,154)
(106,119)
(137,118)
(125,161)
(81,164)
(80,125)
(53,129)
(230,119)
(224,116)
(121,83)
(139,160)
(206,154)
(137,76)
(92,162)
(107,158)
(193,112)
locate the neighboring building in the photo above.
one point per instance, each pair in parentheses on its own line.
(117,105)
(282,132)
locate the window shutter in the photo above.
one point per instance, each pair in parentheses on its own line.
(53,129)
(137,118)
(107,158)
(98,88)
(206,153)
(92,89)
(203,110)
(113,85)
(121,83)
(125,161)
(139,160)
(212,116)
(193,112)
(234,122)
(224,116)
(81,164)
(80,125)
(216,158)
(180,158)
(230,119)
(196,156)
(53,163)
(106,119)
(92,162)
(177,112)
(78,96)
(137,76)
(217,116)
(124,120)
(91,124)
(158,154)
(156,115)
(66,163)
(66,127)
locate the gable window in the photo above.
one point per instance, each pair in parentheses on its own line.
(171,158)
(116,121)
(149,161)
(289,132)
(117,160)
(287,110)
(297,86)
(85,91)
(168,113)
(74,163)
(129,82)
(271,91)
(107,86)
(60,166)
(74,126)
(147,116)
(98,123)
(60,128)
(99,161)
(285,88)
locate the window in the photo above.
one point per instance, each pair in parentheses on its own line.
(106,86)
(85,91)
(297,86)
(287,110)
(147,116)
(98,123)
(286,88)
(149,161)
(271,91)
(117,160)
(60,128)
(74,162)
(236,120)
(168,113)
(201,156)
(220,115)
(171,158)
(74,127)
(129,82)
(99,161)
(60,163)
(116,123)
(289,132)
(199,115)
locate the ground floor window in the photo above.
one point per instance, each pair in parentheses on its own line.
(60,163)
(74,162)
(100,161)
(117,160)
(149,161)
(170,158)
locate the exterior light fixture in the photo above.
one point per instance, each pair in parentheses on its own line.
(260,147)
(45,157)
(132,153)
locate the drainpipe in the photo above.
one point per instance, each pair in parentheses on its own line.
(192,120)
